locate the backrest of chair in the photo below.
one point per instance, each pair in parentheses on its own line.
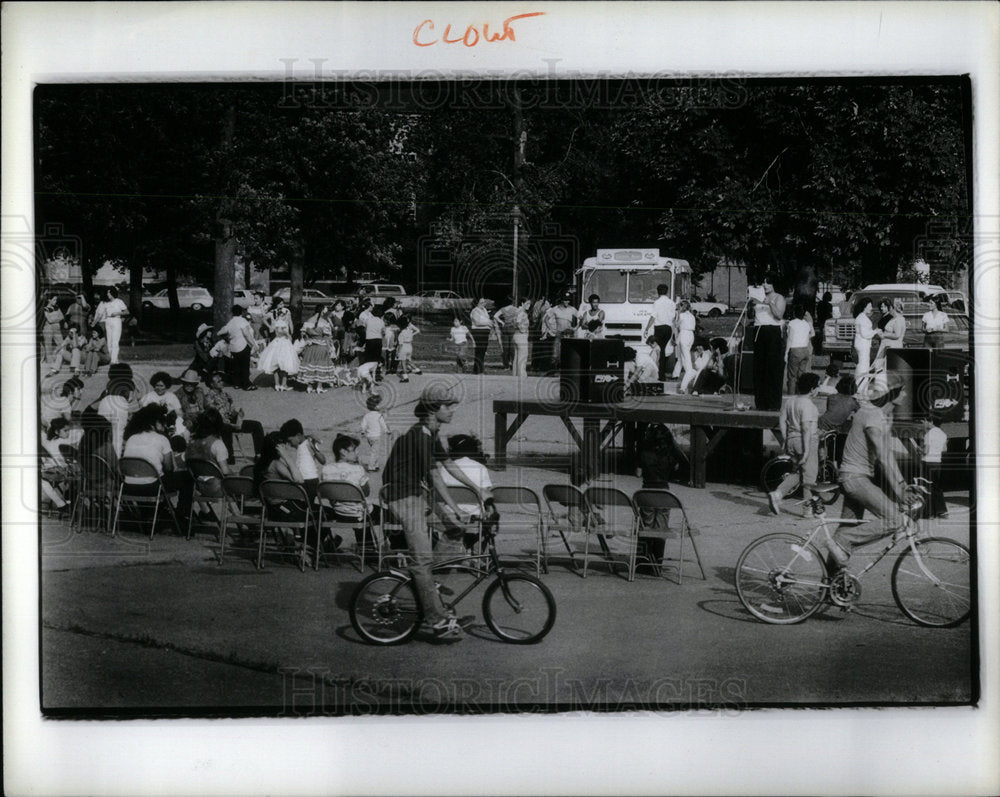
(135,468)
(565,494)
(278,490)
(598,497)
(239,488)
(95,470)
(522,500)
(649,498)
(247,470)
(464,495)
(69,453)
(208,477)
(340,491)
(610,506)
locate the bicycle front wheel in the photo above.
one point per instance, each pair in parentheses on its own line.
(933,588)
(385,610)
(519,608)
(780,578)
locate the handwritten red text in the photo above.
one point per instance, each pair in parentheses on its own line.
(423,34)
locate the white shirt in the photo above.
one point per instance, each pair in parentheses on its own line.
(239,330)
(459,334)
(647,369)
(168,400)
(935,321)
(935,443)
(480,318)
(664,310)
(799,332)
(367,370)
(863,331)
(304,459)
(373,424)
(116,308)
(474,472)
(374,327)
(115,410)
(151,447)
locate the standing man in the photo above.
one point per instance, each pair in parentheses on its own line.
(409,475)
(558,323)
(768,349)
(660,324)
(242,344)
(79,313)
(506,318)
(482,325)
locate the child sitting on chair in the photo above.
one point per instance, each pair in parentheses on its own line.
(347,468)
(467,452)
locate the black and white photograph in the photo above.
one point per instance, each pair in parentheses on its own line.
(445,396)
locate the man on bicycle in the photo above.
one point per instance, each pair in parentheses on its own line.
(870,442)
(411,470)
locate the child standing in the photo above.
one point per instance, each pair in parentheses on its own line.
(799,424)
(935,444)
(404,348)
(375,430)
(390,340)
(459,337)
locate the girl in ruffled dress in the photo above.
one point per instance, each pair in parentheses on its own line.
(279,358)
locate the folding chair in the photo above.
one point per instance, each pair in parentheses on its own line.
(521,509)
(276,494)
(611,510)
(97,487)
(148,494)
(661,502)
(247,470)
(207,490)
(246,508)
(329,494)
(573,521)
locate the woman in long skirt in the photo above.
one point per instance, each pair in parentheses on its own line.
(316,367)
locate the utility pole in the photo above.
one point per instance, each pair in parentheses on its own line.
(520,138)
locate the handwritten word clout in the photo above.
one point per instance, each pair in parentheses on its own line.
(423,34)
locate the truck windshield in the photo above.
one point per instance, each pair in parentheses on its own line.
(609,285)
(642,285)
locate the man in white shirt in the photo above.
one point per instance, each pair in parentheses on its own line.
(660,324)
(241,345)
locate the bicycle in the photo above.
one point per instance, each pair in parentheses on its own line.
(783,578)
(517,607)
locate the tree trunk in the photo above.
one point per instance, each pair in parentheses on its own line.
(296,280)
(225,240)
(87,270)
(172,292)
(134,301)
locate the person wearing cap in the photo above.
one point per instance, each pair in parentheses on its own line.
(410,474)
(191,397)
(202,362)
(869,443)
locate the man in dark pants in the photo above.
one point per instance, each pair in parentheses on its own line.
(506,318)
(241,345)
(661,322)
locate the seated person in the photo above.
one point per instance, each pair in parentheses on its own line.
(467,452)
(840,408)
(701,358)
(64,403)
(347,468)
(146,439)
(659,458)
(718,375)
(217,398)
(829,384)
(640,370)
(161,383)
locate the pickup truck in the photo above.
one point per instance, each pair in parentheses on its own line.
(838,333)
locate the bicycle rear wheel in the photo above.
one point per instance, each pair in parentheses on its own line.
(519,608)
(385,610)
(774,471)
(934,590)
(781,579)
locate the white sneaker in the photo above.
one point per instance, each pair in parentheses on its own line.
(775,501)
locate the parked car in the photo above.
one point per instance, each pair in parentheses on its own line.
(437,301)
(188,296)
(711,309)
(838,333)
(311,297)
(243,298)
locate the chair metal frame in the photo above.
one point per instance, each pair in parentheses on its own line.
(572,498)
(342,491)
(206,468)
(274,492)
(140,468)
(599,498)
(527,502)
(242,493)
(106,476)
(662,499)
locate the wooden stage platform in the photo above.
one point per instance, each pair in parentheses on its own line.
(710,418)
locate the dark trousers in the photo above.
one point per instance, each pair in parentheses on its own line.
(481,340)
(662,333)
(373,351)
(241,368)
(932,472)
(768,367)
(181,482)
(507,347)
(254,429)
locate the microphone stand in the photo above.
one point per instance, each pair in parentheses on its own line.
(738,363)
